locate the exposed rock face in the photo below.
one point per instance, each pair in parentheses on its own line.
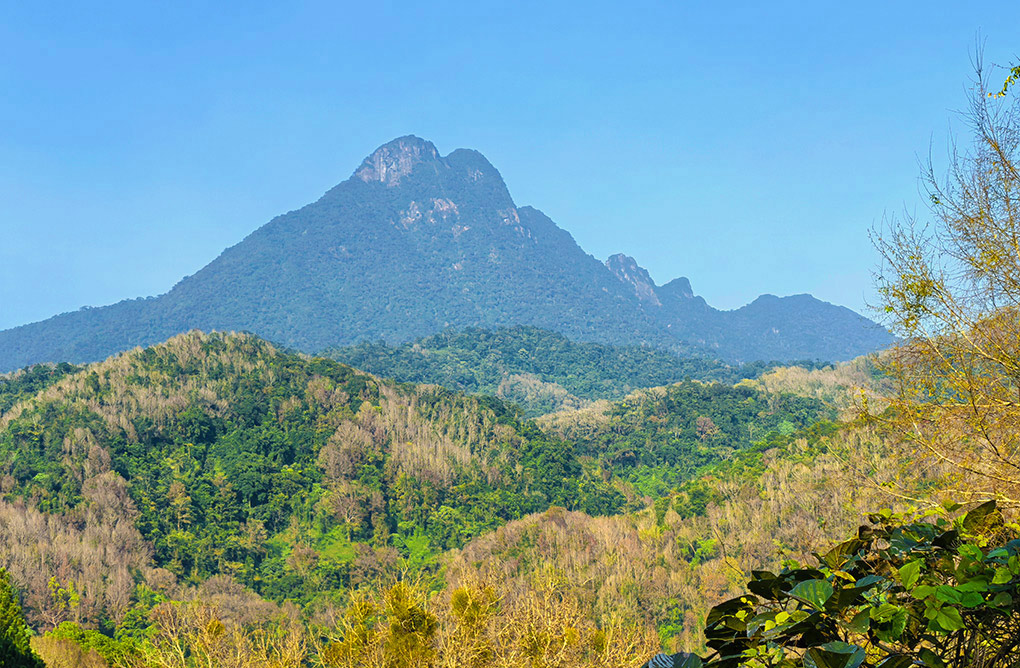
(390,162)
(414,243)
(625,268)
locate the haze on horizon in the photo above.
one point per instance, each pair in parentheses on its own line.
(747,148)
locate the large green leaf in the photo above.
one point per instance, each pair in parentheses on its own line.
(834,655)
(813,592)
(972,552)
(1002,599)
(861,621)
(949,619)
(910,572)
(838,555)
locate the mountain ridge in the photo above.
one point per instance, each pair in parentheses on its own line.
(414,243)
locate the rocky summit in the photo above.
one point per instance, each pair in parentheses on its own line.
(415,243)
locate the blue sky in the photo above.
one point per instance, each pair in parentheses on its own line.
(747,146)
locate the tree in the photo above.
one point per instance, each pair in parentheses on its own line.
(15,650)
(905,591)
(951,290)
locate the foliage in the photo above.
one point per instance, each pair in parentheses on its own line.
(480,361)
(903,592)
(192,634)
(477,624)
(838,386)
(15,636)
(1011,79)
(296,476)
(66,653)
(951,288)
(667,571)
(112,651)
(660,438)
(358,479)
(25,383)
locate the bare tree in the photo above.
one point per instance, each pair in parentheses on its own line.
(950,287)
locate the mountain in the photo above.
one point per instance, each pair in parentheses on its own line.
(414,243)
(798,327)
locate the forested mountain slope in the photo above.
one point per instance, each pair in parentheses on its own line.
(540,370)
(229,457)
(798,327)
(415,243)
(658,438)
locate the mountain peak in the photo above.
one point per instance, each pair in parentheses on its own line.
(414,243)
(396,159)
(626,268)
(678,288)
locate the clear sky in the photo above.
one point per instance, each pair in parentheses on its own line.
(747,146)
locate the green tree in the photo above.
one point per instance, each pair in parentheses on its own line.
(905,591)
(15,650)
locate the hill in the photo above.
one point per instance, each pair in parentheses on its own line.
(293,476)
(299,476)
(787,329)
(539,370)
(415,243)
(243,481)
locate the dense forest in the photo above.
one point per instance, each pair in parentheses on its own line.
(318,515)
(537,369)
(244,461)
(218,466)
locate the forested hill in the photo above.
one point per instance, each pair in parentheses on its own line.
(217,466)
(537,369)
(230,457)
(414,243)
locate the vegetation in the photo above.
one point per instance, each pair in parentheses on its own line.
(540,370)
(657,439)
(15,650)
(952,289)
(902,592)
(215,478)
(444,245)
(842,387)
(26,383)
(293,476)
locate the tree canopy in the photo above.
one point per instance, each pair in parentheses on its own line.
(15,650)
